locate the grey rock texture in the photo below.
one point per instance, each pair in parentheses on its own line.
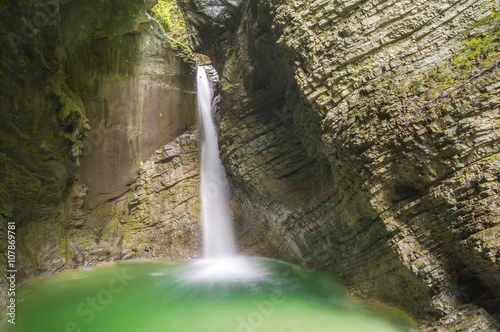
(352,145)
(156,217)
(98,155)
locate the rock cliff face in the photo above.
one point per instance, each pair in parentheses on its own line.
(98,149)
(358,139)
(156,217)
(138,96)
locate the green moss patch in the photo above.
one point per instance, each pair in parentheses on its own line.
(479,57)
(169,15)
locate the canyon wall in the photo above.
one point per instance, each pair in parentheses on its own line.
(362,138)
(98,146)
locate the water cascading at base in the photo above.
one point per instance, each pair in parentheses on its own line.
(151,296)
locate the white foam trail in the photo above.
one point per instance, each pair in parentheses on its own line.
(240,269)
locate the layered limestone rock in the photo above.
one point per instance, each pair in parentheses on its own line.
(157,216)
(357,140)
(99,158)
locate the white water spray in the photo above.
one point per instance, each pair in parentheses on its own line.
(220,261)
(218,238)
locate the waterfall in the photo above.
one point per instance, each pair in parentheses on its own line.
(220,262)
(218,238)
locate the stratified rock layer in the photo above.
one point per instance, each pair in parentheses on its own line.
(157,216)
(353,145)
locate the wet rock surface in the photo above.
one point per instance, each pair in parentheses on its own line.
(360,138)
(352,144)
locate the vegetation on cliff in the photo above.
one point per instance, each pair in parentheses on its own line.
(169,15)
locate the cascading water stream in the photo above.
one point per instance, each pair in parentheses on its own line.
(218,239)
(220,261)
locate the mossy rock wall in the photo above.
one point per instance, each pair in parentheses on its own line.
(43,122)
(92,96)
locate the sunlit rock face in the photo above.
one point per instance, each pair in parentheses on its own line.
(141,197)
(99,157)
(340,157)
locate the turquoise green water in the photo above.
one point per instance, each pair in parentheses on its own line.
(261,295)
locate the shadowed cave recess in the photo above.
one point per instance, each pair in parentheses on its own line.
(359,138)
